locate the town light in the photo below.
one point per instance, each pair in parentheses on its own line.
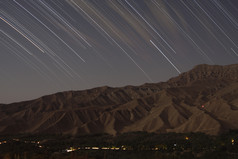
(232,141)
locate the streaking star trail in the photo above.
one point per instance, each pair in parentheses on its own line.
(50,45)
(22,34)
(165,56)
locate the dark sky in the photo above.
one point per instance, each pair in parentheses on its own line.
(49,46)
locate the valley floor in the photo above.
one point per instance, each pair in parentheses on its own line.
(134,145)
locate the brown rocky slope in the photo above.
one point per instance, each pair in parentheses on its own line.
(204,99)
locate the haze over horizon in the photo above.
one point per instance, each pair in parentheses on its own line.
(52,46)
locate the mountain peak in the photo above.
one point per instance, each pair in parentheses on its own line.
(206,72)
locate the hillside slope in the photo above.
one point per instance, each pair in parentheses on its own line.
(204,99)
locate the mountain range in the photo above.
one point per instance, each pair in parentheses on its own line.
(204,99)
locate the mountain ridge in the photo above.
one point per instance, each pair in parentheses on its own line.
(203,99)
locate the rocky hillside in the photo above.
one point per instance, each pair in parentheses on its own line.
(204,99)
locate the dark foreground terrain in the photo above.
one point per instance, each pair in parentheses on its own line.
(134,145)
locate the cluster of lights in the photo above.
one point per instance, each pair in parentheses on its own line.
(3,142)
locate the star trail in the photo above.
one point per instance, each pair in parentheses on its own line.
(49,46)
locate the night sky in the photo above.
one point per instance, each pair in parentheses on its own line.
(49,46)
